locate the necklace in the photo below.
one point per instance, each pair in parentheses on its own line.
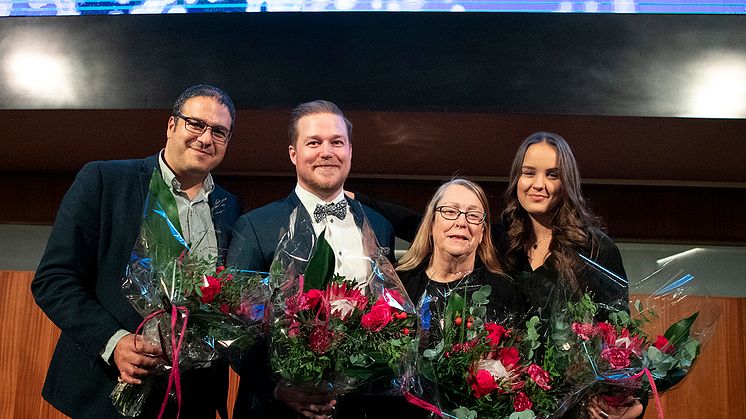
(460,275)
(536,245)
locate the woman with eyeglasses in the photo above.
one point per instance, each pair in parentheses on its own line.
(453,249)
(544,229)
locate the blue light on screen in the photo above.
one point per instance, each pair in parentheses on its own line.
(68,7)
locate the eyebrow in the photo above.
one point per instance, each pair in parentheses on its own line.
(534,168)
(457,205)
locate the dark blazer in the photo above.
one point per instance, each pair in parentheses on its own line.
(255,238)
(78,286)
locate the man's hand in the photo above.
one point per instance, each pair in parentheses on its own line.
(134,357)
(310,405)
(629,409)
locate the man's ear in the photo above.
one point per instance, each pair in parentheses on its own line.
(170,126)
(292,153)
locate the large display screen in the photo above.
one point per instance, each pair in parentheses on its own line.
(68,7)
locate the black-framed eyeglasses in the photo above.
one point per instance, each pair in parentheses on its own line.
(451,213)
(197,126)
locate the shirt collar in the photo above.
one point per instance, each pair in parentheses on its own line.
(309,200)
(170,178)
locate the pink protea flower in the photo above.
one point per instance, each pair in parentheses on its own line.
(343,301)
(320,338)
(539,376)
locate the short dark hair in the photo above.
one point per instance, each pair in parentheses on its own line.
(312,108)
(204,90)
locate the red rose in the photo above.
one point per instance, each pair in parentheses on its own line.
(607,332)
(584,330)
(662,344)
(483,384)
(378,317)
(219,269)
(539,376)
(495,333)
(225,308)
(509,356)
(314,297)
(522,402)
(617,357)
(210,290)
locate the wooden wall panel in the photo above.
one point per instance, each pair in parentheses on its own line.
(715,387)
(27,340)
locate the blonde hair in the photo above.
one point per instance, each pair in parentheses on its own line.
(422,245)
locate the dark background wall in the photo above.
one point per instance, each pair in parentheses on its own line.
(431,95)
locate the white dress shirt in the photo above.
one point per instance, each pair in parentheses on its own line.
(344,237)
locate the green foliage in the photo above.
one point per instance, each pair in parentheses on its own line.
(526,414)
(678,332)
(321,266)
(585,308)
(160,230)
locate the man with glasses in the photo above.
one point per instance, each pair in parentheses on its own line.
(78,282)
(321,150)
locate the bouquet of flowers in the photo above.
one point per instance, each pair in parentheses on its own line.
(474,366)
(618,352)
(329,334)
(194,310)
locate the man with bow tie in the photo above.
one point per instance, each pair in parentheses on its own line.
(321,150)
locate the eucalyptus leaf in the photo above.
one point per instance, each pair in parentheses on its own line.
(464,413)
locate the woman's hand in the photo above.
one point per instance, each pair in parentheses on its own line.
(629,409)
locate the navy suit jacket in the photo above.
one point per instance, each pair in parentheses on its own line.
(78,282)
(255,238)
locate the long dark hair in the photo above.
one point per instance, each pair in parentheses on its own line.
(571,221)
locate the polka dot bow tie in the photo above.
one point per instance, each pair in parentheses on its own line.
(338,210)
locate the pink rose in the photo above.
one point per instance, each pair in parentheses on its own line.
(509,356)
(584,330)
(662,344)
(522,402)
(617,357)
(210,290)
(495,333)
(539,376)
(483,383)
(378,317)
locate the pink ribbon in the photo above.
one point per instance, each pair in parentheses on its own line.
(651,380)
(174,378)
(411,398)
(656,397)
